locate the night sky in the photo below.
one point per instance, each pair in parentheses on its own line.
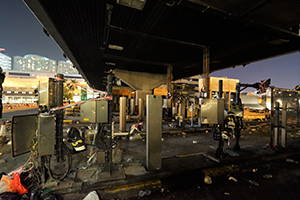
(21,34)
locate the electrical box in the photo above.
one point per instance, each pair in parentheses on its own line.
(212,111)
(94,112)
(46,134)
(47,93)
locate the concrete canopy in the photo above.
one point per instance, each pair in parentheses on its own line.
(99,35)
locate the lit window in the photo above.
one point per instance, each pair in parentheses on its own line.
(16,92)
(8,91)
(30,92)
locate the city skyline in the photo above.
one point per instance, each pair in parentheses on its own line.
(284,71)
(33,62)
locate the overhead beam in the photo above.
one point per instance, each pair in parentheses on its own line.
(124,59)
(143,35)
(242,18)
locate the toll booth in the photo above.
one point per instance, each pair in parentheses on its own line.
(229,88)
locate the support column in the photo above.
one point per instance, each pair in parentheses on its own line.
(123,114)
(154,123)
(206,72)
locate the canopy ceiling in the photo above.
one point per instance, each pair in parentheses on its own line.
(99,35)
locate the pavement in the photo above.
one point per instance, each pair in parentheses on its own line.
(182,151)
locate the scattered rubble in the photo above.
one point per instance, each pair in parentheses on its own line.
(291,161)
(267,176)
(232,178)
(207,180)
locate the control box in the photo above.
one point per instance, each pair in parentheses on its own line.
(94,111)
(212,111)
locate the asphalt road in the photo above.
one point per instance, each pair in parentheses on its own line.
(278,179)
(23,110)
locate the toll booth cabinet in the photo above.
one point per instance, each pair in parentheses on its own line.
(94,111)
(212,111)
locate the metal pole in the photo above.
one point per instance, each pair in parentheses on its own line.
(237,94)
(123,114)
(110,108)
(283,123)
(192,115)
(59,118)
(220,89)
(297,110)
(141,109)
(276,134)
(271,117)
(169,84)
(182,113)
(206,71)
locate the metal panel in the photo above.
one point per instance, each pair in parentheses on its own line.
(47,93)
(43,93)
(22,133)
(46,134)
(154,123)
(87,112)
(212,111)
(102,111)
(94,112)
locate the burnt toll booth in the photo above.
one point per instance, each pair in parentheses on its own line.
(146,44)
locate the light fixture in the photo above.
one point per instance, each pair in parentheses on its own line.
(115,47)
(110,63)
(137,4)
(279,41)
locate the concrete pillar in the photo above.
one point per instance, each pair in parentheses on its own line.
(206,60)
(141,94)
(142,82)
(141,109)
(132,104)
(122,114)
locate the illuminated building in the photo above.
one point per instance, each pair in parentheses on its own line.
(5,62)
(32,62)
(66,68)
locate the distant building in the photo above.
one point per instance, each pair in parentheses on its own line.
(66,67)
(5,62)
(32,62)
